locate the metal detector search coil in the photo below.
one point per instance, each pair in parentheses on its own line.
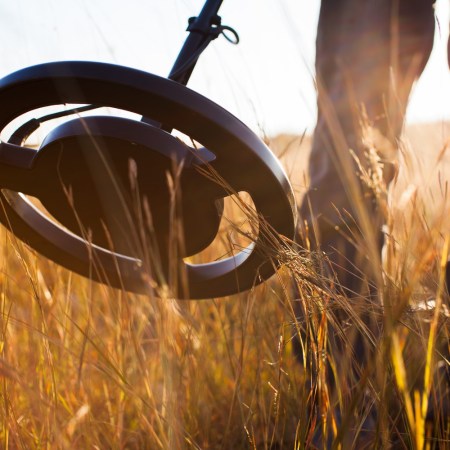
(81,174)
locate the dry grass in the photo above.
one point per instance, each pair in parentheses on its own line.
(84,366)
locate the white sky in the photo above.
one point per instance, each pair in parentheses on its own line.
(267,80)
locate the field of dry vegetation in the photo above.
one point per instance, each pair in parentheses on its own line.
(83,366)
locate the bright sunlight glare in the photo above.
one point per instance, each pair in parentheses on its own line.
(267,80)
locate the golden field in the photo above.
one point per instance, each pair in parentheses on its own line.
(84,366)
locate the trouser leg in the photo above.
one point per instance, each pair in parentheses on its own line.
(369,53)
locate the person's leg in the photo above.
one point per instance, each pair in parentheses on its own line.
(369,53)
